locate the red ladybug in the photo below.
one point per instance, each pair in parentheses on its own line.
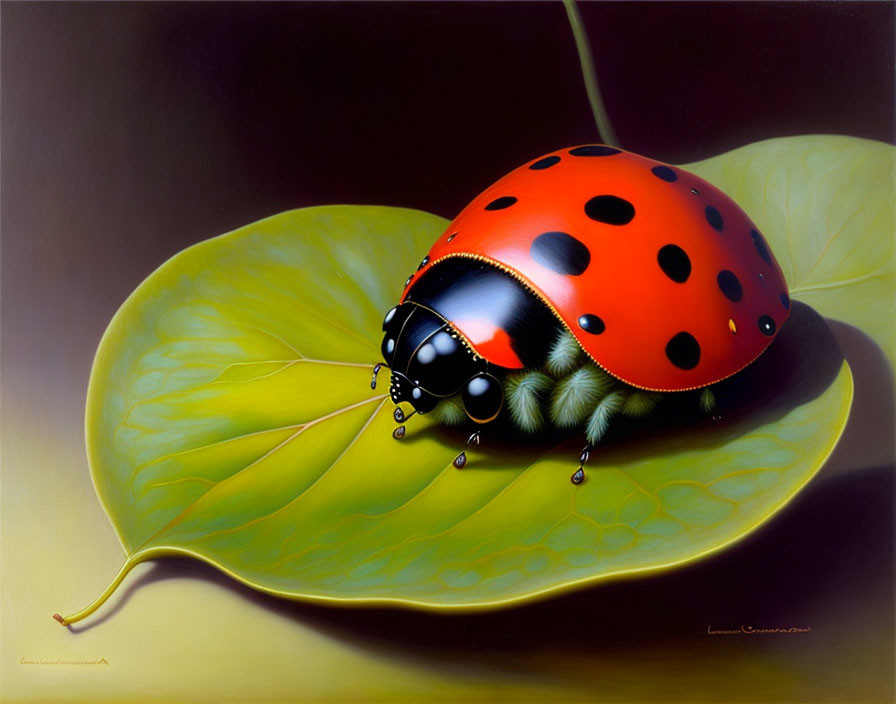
(584,284)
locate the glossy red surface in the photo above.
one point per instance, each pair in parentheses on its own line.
(623,284)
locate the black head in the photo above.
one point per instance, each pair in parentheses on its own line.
(428,360)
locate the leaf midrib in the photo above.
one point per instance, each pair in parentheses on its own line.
(302,427)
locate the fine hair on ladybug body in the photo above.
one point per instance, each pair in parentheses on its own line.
(588,284)
(433,367)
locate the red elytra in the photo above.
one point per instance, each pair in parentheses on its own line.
(674,283)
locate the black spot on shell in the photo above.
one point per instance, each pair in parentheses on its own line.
(674,262)
(714,218)
(545,163)
(560,252)
(611,210)
(683,351)
(766,325)
(592,324)
(761,247)
(594,150)
(730,285)
(501,203)
(423,263)
(785,301)
(665,173)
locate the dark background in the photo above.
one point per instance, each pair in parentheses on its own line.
(133,130)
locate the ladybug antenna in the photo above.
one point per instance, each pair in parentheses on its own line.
(376,370)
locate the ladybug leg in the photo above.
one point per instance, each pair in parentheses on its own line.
(376,370)
(579,475)
(596,428)
(461,460)
(400,417)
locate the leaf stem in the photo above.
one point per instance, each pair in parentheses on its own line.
(132,561)
(601,119)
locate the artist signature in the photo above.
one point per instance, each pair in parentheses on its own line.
(98,661)
(750,630)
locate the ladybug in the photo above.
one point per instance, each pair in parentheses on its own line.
(588,283)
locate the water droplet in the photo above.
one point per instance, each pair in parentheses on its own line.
(399,432)
(578,477)
(398,415)
(460,460)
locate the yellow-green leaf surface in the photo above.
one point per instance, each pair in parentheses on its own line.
(230,417)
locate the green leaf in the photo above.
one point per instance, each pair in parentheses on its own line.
(825,205)
(230,418)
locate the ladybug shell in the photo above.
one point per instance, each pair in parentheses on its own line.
(662,278)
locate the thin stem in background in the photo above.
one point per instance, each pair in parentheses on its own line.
(588,74)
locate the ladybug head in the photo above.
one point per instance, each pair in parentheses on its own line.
(429,363)
(425,355)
